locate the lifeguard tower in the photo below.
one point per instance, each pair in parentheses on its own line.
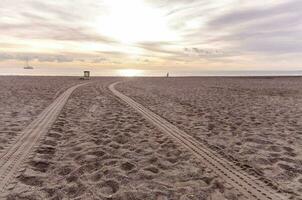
(86,75)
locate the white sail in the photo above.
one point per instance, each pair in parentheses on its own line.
(27,65)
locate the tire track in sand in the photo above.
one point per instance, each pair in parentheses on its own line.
(249,186)
(14,156)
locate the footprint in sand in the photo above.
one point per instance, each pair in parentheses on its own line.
(64,170)
(127,166)
(31,180)
(39,165)
(152,169)
(108,188)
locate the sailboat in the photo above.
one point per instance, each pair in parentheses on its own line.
(28,66)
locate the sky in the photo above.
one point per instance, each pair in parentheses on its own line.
(149,37)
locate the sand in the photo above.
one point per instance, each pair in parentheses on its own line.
(99,148)
(255,121)
(23,98)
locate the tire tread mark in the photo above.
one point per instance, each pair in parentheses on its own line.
(246,184)
(15,155)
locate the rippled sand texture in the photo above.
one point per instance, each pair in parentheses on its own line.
(99,148)
(23,98)
(256,121)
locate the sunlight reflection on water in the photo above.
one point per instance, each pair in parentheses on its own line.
(78,71)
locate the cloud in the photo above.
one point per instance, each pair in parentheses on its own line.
(196,52)
(173,3)
(62,57)
(36,56)
(5,56)
(62,21)
(206,31)
(99,60)
(157,47)
(57,10)
(244,16)
(272,30)
(143,60)
(37,30)
(8,45)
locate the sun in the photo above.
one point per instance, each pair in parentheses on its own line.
(129,72)
(134,21)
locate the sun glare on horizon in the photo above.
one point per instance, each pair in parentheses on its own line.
(130,72)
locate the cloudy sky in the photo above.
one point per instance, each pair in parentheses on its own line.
(109,36)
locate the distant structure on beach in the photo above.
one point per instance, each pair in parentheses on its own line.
(28,66)
(167,75)
(86,75)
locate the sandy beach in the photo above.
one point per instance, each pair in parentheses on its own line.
(253,121)
(101,148)
(151,100)
(23,98)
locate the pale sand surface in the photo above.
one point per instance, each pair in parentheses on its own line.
(23,98)
(99,148)
(255,121)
